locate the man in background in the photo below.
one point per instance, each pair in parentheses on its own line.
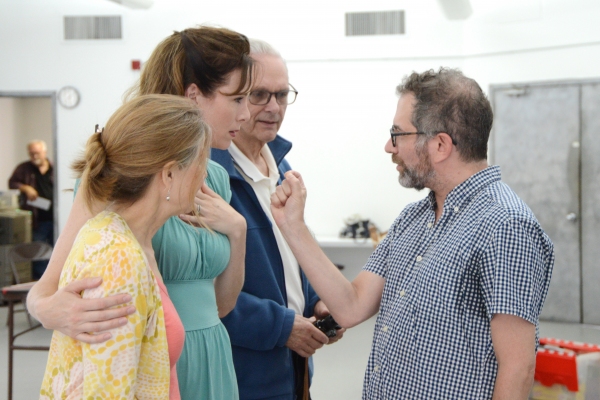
(35,180)
(271,327)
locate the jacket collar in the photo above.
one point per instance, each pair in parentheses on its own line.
(279,147)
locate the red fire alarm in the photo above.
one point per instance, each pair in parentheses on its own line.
(136,65)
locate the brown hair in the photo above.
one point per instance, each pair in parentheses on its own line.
(140,138)
(204,56)
(447,101)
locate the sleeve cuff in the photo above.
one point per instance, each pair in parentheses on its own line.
(288,323)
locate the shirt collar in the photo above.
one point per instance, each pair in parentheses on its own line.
(464,192)
(248,167)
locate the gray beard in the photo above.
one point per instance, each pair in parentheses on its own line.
(417,177)
(414,179)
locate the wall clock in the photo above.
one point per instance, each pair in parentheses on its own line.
(68,97)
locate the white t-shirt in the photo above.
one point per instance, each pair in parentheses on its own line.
(263,187)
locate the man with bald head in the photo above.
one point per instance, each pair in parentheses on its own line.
(34,178)
(271,327)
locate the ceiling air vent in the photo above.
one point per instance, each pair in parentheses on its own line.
(375,23)
(93,27)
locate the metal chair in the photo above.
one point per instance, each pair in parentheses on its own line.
(27,252)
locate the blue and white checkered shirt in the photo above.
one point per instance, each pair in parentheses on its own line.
(444,281)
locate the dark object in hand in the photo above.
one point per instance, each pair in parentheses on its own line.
(328,326)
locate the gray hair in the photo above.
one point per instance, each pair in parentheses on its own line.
(258,46)
(37,141)
(447,101)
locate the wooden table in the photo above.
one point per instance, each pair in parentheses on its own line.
(15,294)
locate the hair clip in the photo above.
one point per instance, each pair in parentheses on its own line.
(98,130)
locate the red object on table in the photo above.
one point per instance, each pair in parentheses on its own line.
(552,366)
(559,363)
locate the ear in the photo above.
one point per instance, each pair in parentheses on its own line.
(441,147)
(192,92)
(166,175)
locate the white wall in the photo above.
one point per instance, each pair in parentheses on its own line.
(340,122)
(8,123)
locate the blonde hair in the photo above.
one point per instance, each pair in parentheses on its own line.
(140,138)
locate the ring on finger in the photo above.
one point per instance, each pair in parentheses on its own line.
(198,208)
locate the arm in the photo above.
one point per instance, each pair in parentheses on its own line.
(221,217)
(262,324)
(64,310)
(137,359)
(18,181)
(515,275)
(259,324)
(349,302)
(514,344)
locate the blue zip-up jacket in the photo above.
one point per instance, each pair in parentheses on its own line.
(260,324)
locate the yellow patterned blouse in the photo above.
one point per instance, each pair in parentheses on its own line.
(134,364)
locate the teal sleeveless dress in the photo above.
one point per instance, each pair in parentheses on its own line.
(189,259)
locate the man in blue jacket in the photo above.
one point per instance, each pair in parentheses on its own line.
(271,326)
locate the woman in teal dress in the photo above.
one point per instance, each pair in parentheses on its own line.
(189,259)
(201,259)
(203,269)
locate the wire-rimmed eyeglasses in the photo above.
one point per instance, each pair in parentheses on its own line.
(283,97)
(394,133)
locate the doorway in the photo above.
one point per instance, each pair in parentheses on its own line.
(26,116)
(545,139)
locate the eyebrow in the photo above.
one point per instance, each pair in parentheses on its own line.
(262,89)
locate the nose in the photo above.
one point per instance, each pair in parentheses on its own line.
(244,112)
(390,148)
(272,106)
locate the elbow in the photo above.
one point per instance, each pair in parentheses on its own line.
(225,309)
(530,374)
(347,320)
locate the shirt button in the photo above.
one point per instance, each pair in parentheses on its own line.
(429,225)
(376,369)
(419,258)
(455,209)
(402,293)
(385,328)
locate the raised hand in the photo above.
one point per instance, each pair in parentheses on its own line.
(215,213)
(288,201)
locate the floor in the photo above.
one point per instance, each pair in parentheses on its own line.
(339,367)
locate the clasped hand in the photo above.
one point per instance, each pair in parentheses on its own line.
(215,213)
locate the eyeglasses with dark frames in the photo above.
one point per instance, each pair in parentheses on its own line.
(283,98)
(394,133)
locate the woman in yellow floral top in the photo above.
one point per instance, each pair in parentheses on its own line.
(146,165)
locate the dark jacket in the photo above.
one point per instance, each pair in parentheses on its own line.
(25,174)
(260,324)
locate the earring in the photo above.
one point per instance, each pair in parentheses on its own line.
(169,194)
